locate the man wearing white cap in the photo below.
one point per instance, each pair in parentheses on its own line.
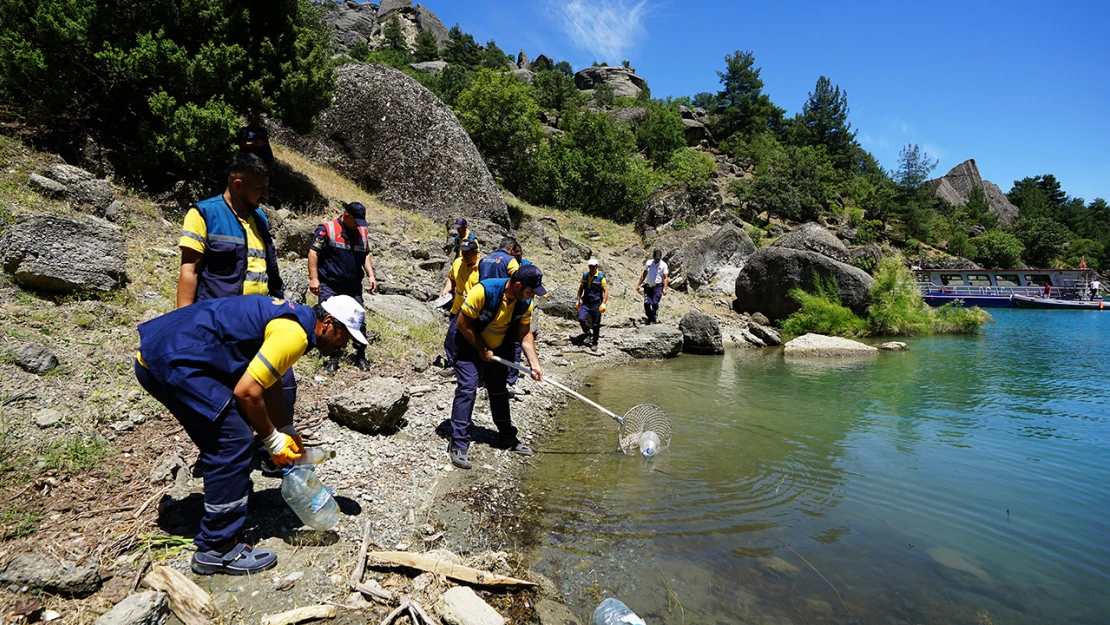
(216,366)
(593,294)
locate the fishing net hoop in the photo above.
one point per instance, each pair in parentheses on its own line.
(640,419)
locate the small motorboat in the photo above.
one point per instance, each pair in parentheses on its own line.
(1025,301)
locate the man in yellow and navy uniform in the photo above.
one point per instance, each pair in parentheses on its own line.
(593,294)
(337,259)
(496,312)
(502,263)
(460,279)
(462,233)
(216,366)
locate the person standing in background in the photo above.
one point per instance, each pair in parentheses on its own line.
(655,278)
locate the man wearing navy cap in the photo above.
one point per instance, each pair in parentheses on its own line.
(496,314)
(462,233)
(337,258)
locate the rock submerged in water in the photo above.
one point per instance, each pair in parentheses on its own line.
(701,334)
(821,346)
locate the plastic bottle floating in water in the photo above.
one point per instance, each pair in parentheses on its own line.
(649,444)
(614,612)
(309,498)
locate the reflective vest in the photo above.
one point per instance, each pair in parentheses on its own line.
(341,265)
(593,292)
(495,292)
(225,253)
(458,242)
(202,351)
(496,265)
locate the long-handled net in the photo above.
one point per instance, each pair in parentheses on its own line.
(645,429)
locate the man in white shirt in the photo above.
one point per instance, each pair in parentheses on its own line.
(1095,286)
(655,278)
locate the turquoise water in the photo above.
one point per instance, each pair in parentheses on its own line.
(964,481)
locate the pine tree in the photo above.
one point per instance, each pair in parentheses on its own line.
(427,48)
(824,121)
(393,35)
(741,104)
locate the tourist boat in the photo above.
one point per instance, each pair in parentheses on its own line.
(997,288)
(1023,301)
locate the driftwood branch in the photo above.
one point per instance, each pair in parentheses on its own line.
(191,604)
(300,614)
(447,569)
(360,569)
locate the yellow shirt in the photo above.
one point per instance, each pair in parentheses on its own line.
(494,334)
(194,232)
(464,278)
(284,343)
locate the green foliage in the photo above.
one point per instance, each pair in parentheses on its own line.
(955,319)
(913,247)
(448,84)
(494,57)
(163,84)
(499,114)
(897,307)
(959,244)
(16,522)
(914,167)
(824,121)
(797,188)
(593,169)
(427,48)
(822,312)
(995,249)
(360,52)
(690,167)
(604,96)
(1043,238)
(704,100)
(660,133)
(761,149)
(393,35)
(397,59)
(555,91)
(1085,249)
(75,454)
(741,104)
(461,49)
(565,69)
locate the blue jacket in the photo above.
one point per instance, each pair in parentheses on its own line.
(594,292)
(225,252)
(496,265)
(495,292)
(201,351)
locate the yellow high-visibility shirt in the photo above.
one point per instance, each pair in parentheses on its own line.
(194,232)
(284,344)
(464,277)
(494,334)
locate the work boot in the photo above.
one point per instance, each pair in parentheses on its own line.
(332,365)
(361,362)
(241,559)
(593,346)
(459,457)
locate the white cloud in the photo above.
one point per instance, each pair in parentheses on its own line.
(606,28)
(933,151)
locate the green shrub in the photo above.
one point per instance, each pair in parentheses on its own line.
(897,307)
(868,232)
(762,150)
(954,319)
(556,91)
(995,249)
(499,114)
(822,312)
(660,134)
(163,84)
(690,167)
(604,95)
(959,244)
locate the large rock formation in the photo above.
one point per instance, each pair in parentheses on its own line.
(65,254)
(955,188)
(814,238)
(670,205)
(771,272)
(352,22)
(393,136)
(623,80)
(727,247)
(701,334)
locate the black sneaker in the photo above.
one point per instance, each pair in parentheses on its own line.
(593,347)
(331,366)
(242,559)
(459,457)
(361,362)
(522,449)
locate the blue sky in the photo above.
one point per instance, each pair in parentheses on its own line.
(1021,87)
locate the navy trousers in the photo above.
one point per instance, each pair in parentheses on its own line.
(589,317)
(226,445)
(514,375)
(468,367)
(326,293)
(449,341)
(652,295)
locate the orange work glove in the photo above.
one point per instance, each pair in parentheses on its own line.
(602,308)
(282,447)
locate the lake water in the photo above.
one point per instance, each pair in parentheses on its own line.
(964,481)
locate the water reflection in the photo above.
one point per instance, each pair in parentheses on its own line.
(958,482)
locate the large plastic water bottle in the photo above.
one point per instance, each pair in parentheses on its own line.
(614,612)
(649,444)
(309,498)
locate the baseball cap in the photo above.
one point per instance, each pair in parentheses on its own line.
(348,312)
(358,211)
(592,262)
(531,277)
(657,254)
(469,245)
(460,222)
